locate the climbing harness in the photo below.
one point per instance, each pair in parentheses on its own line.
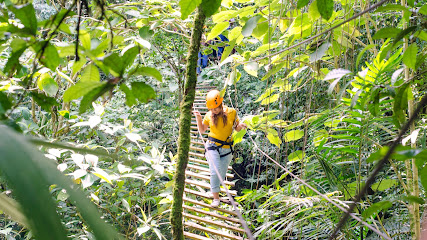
(223,143)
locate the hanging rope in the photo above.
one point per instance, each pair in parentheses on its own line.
(236,209)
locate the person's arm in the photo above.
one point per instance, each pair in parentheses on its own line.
(240,126)
(202,127)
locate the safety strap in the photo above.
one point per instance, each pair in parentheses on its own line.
(216,147)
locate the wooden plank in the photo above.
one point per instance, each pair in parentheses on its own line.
(212,231)
(206,177)
(195,236)
(196,154)
(208,186)
(196,143)
(197,149)
(197,133)
(204,162)
(212,214)
(206,169)
(215,223)
(205,205)
(198,138)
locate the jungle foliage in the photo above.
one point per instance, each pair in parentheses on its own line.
(89,111)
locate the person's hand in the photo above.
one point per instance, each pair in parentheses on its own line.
(243,125)
(197,114)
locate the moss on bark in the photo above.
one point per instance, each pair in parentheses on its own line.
(184,125)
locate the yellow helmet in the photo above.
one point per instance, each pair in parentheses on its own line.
(213,99)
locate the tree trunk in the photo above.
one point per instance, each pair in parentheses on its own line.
(184,125)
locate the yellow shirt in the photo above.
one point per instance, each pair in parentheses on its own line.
(220,131)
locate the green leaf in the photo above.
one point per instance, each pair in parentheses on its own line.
(13,62)
(115,64)
(302,3)
(360,54)
(43,101)
(410,56)
(90,74)
(387,32)
(91,96)
(273,137)
(319,52)
(296,156)
(149,71)
(224,16)
(250,25)
(228,49)
(130,98)
(217,30)
(384,184)
(238,136)
(423,175)
(313,12)
(413,199)
(326,8)
(84,38)
(142,91)
(27,16)
(375,208)
(293,135)
(403,33)
(271,99)
(260,30)
(187,7)
(50,56)
(5,104)
(29,174)
(392,7)
(47,84)
(210,7)
(80,89)
(319,136)
(12,208)
(423,10)
(145,32)
(378,155)
(129,56)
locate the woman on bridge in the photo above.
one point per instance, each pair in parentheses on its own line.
(221,120)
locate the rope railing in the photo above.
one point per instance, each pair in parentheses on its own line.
(321,194)
(236,209)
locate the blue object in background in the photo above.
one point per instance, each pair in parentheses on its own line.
(202,61)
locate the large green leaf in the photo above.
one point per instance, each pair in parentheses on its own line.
(44,101)
(12,208)
(387,32)
(188,6)
(130,98)
(313,12)
(217,30)
(410,56)
(293,135)
(250,25)
(27,16)
(48,84)
(129,56)
(30,174)
(273,137)
(115,64)
(142,91)
(149,71)
(13,61)
(210,7)
(91,96)
(50,57)
(326,8)
(375,208)
(384,184)
(80,89)
(296,156)
(90,74)
(302,3)
(5,104)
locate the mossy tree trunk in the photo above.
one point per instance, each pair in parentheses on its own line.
(184,125)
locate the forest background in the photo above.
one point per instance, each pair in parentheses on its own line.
(325,87)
